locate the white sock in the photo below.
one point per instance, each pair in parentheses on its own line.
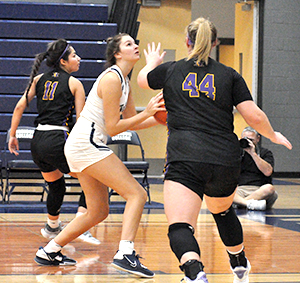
(125,247)
(53,223)
(52,247)
(236,253)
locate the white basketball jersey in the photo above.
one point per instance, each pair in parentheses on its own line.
(93,109)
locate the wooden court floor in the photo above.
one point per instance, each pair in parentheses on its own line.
(272,241)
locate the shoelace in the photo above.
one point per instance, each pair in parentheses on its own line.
(138,258)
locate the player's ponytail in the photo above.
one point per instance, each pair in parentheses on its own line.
(201,34)
(56,50)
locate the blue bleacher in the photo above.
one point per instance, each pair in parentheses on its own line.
(54,11)
(20,29)
(27,28)
(21,48)
(22,66)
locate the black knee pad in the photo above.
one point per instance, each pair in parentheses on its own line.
(182,240)
(56,195)
(81,201)
(230,228)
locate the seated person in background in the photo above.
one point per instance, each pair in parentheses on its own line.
(255,190)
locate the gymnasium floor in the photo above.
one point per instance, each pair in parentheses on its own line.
(272,242)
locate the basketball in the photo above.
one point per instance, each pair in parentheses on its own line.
(161,116)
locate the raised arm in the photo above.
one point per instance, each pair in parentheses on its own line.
(153,59)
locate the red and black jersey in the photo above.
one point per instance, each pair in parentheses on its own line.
(200,101)
(55,101)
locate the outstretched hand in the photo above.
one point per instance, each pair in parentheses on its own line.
(153,59)
(281,139)
(153,55)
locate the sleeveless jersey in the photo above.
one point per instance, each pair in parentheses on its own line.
(199,101)
(93,109)
(55,101)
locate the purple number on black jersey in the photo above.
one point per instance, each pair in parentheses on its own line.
(49,90)
(206,86)
(190,85)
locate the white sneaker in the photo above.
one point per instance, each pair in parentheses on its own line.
(241,273)
(201,278)
(87,237)
(51,233)
(254,204)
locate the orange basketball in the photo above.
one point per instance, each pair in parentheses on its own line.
(161,116)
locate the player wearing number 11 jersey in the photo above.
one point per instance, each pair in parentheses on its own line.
(57,94)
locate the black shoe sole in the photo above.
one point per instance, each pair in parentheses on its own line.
(44,262)
(136,273)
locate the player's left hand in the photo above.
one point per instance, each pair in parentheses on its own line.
(153,55)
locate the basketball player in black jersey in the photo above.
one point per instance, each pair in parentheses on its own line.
(58,95)
(203,154)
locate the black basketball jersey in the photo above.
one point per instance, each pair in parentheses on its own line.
(199,101)
(55,101)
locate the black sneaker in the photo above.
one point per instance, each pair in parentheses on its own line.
(131,264)
(43,258)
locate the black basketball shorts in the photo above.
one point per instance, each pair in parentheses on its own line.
(204,178)
(47,149)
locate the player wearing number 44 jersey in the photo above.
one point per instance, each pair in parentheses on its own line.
(203,154)
(191,91)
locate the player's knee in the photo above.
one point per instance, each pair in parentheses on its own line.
(100,217)
(138,194)
(143,195)
(55,196)
(97,217)
(230,228)
(182,240)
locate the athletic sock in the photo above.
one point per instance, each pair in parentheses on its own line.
(53,223)
(125,247)
(52,247)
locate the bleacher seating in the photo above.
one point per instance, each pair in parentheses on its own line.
(27,28)
(125,14)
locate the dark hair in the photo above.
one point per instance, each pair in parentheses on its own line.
(201,34)
(56,50)
(113,47)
